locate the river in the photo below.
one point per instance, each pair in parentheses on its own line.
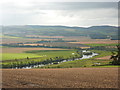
(40,65)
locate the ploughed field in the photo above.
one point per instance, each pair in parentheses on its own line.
(60,78)
(21,50)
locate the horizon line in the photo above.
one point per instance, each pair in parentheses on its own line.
(60,25)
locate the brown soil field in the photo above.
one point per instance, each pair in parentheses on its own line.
(60,78)
(20,50)
(33,44)
(106,57)
(96,41)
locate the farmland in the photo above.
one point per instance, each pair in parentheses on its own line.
(59,45)
(35,57)
(57,62)
(96,41)
(11,56)
(100,44)
(53,48)
(21,50)
(85,62)
(37,53)
(60,78)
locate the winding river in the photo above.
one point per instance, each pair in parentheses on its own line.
(40,65)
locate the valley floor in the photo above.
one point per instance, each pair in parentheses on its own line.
(60,78)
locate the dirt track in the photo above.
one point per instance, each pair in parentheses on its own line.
(61,78)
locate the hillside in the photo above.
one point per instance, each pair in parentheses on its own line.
(95,32)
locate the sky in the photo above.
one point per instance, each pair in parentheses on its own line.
(62,12)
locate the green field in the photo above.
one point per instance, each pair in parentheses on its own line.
(11,56)
(101,44)
(54,53)
(37,53)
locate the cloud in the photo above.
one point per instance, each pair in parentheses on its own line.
(59,13)
(76,5)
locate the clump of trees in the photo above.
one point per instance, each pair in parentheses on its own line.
(116,58)
(87,53)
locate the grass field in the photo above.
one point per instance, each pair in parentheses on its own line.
(54,53)
(11,56)
(38,53)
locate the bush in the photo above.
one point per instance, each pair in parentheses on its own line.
(115,62)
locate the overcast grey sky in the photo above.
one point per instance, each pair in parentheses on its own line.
(72,13)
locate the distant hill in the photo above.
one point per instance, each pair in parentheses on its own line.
(97,32)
